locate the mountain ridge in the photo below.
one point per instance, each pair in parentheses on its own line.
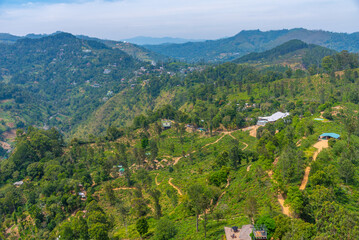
(133,50)
(248,41)
(144,40)
(295,52)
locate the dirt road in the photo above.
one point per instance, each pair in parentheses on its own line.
(175,187)
(320,145)
(157,183)
(285,209)
(252,130)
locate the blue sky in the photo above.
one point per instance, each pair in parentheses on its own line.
(203,19)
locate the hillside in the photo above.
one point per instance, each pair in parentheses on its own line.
(8,38)
(228,175)
(138,151)
(247,42)
(294,53)
(133,50)
(59,80)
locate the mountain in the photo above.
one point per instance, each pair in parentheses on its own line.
(8,38)
(59,80)
(294,53)
(141,40)
(246,42)
(133,50)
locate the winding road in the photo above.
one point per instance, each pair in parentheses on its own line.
(174,186)
(320,145)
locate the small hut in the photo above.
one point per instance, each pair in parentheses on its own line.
(327,136)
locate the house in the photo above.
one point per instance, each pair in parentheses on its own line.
(260,233)
(166,124)
(18,184)
(82,194)
(107,71)
(327,136)
(273,118)
(233,233)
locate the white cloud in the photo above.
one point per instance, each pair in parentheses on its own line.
(181,18)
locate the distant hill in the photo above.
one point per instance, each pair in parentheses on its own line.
(254,41)
(141,40)
(295,53)
(8,38)
(133,50)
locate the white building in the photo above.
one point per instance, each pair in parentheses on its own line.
(276,116)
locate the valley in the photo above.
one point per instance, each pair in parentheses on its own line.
(98,143)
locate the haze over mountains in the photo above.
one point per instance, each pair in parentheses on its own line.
(141,40)
(225,49)
(254,41)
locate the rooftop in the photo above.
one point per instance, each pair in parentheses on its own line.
(240,234)
(274,117)
(332,135)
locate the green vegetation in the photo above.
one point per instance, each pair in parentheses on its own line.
(120,174)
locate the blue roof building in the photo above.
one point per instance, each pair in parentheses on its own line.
(329,135)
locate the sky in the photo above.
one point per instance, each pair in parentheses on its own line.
(194,19)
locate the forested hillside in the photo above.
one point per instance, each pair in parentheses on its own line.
(245,42)
(136,151)
(59,80)
(131,49)
(294,53)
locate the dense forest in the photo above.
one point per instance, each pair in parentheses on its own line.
(175,153)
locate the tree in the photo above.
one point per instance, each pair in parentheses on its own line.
(335,222)
(98,231)
(235,156)
(143,177)
(251,207)
(79,226)
(269,223)
(346,170)
(154,151)
(113,133)
(328,64)
(109,193)
(295,200)
(219,177)
(200,200)
(173,196)
(155,194)
(66,232)
(221,160)
(158,129)
(165,229)
(139,207)
(144,142)
(142,226)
